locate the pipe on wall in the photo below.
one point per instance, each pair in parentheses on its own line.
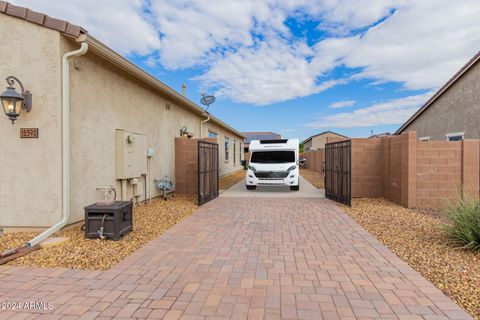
(65,146)
(124,189)
(202,122)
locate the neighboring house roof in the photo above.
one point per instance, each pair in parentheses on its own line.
(379,135)
(249,136)
(108,54)
(437,94)
(322,133)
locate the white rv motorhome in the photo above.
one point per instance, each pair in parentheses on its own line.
(273,163)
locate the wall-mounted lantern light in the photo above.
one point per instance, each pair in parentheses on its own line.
(13,102)
(184,133)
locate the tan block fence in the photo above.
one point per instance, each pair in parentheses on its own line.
(414,173)
(315,159)
(409,172)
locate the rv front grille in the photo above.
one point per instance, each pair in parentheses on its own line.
(271,175)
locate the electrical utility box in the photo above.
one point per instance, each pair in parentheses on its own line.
(131,154)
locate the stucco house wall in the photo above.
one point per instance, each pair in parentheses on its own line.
(456,110)
(103,98)
(30,169)
(318,141)
(231,165)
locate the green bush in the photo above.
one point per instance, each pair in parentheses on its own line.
(463,226)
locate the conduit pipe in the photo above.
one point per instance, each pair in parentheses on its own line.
(65,146)
(202,122)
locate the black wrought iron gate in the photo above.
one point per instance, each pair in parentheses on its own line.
(338,171)
(208,171)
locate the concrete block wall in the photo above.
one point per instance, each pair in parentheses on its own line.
(186,165)
(367,168)
(438,171)
(415,173)
(315,159)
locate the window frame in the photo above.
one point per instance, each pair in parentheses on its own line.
(212,132)
(455,134)
(234,152)
(226,146)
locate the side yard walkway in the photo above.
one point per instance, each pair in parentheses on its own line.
(240,258)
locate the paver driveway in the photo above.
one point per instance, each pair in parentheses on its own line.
(239,258)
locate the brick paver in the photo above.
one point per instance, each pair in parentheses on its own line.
(238,258)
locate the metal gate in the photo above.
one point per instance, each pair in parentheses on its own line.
(208,171)
(338,171)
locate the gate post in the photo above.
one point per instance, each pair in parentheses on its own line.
(409,170)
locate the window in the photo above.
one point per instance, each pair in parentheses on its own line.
(227,142)
(273,157)
(234,151)
(457,136)
(424,138)
(240,152)
(212,134)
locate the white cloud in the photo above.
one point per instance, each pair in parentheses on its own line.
(121,24)
(266,73)
(383,113)
(249,54)
(342,104)
(421,45)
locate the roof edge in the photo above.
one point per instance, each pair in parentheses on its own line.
(79,34)
(319,134)
(118,60)
(440,91)
(41,19)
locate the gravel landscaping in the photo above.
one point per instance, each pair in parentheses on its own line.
(149,221)
(231,179)
(416,237)
(315,178)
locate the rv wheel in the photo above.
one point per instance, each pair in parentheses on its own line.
(251,187)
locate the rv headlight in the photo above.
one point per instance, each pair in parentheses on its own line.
(252,168)
(291,168)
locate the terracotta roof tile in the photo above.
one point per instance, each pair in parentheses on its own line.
(56,24)
(41,19)
(35,17)
(3,6)
(16,11)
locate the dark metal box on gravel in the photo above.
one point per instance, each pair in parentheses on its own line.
(108,221)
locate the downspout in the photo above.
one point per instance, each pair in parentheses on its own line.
(65,146)
(202,122)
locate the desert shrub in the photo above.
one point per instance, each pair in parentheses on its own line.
(463,222)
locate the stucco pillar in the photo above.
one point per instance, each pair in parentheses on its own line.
(408,168)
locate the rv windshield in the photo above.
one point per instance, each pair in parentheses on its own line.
(273,157)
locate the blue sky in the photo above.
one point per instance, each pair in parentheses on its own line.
(293,67)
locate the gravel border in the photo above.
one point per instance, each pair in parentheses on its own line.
(315,178)
(149,222)
(416,237)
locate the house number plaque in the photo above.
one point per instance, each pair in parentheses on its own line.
(28,132)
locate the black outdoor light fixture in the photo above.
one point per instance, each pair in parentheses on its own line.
(13,102)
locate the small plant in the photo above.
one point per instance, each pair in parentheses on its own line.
(463,226)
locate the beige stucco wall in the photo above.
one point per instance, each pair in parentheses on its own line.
(30,169)
(456,110)
(103,99)
(233,163)
(318,142)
